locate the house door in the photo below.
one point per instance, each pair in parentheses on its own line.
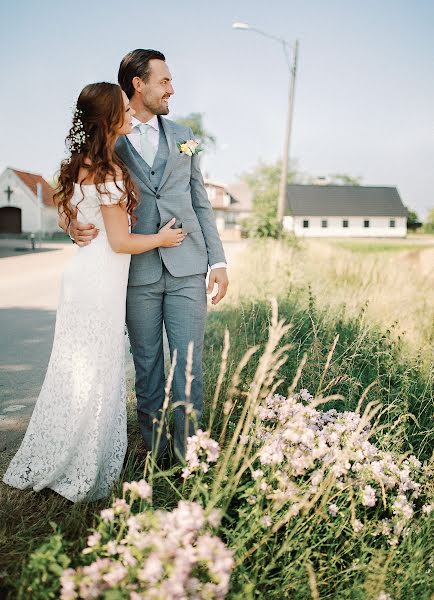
(10,219)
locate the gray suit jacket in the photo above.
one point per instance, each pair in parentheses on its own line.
(181,194)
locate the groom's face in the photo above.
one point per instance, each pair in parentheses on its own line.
(156,91)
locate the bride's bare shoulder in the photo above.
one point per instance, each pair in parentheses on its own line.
(85,177)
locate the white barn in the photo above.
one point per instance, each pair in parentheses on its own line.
(344,211)
(26,204)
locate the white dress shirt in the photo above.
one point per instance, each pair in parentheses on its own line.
(153,133)
(154,138)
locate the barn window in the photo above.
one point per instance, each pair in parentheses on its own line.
(305,223)
(324,223)
(345,223)
(392,223)
(366,223)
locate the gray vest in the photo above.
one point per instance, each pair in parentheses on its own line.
(155,173)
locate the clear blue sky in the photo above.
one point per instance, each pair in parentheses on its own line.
(364,99)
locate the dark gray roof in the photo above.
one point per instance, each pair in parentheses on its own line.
(343,200)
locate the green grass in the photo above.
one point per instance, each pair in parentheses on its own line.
(368,246)
(362,357)
(309,554)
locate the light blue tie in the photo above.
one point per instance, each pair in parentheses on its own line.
(148,150)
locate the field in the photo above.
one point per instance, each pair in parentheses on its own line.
(324,491)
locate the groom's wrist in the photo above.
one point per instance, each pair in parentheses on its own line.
(220,265)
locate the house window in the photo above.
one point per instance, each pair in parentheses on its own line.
(345,223)
(392,223)
(305,224)
(324,223)
(366,223)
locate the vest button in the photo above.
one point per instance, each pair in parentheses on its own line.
(152,172)
(157,196)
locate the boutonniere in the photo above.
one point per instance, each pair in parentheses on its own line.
(189,147)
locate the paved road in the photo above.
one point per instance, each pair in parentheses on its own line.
(29,287)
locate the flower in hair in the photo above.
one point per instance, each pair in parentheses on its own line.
(77,135)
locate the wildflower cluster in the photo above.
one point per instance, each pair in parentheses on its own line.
(77,135)
(152,554)
(201,451)
(301,449)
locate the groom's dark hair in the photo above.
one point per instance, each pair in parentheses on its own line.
(136,64)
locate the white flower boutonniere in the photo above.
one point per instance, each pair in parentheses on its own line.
(189,147)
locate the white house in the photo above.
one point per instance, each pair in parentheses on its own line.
(26,204)
(344,211)
(227,206)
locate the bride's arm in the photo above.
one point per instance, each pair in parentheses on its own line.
(116,225)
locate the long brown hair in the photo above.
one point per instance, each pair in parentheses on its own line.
(97,117)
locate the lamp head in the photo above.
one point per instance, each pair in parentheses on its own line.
(240,26)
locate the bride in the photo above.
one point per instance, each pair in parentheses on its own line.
(76,440)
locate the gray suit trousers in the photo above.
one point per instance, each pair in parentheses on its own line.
(179,302)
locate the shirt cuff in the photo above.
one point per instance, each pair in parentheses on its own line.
(220,265)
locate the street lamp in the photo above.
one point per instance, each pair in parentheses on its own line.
(292,74)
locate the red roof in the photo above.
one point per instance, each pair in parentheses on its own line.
(31,180)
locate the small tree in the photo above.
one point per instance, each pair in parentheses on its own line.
(195,121)
(413,222)
(264,180)
(429,223)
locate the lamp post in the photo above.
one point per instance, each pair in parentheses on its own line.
(292,65)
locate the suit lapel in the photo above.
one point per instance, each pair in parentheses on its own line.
(173,150)
(133,160)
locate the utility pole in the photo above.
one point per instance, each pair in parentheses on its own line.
(281,204)
(281,199)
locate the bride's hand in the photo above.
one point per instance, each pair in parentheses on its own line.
(171,237)
(83,233)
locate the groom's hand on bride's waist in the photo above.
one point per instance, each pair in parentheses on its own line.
(82,233)
(218,276)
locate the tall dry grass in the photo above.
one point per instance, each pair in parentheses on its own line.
(396,289)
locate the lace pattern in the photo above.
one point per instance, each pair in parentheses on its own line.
(76,440)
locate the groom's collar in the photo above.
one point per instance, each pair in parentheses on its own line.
(152,122)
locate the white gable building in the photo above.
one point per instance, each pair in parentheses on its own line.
(26,204)
(344,211)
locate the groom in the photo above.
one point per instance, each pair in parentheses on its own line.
(166,285)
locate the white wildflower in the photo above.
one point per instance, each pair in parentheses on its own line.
(357,526)
(333,510)
(384,596)
(201,450)
(369,496)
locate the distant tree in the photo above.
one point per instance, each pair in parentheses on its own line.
(195,121)
(334,179)
(413,222)
(264,180)
(429,223)
(344,179)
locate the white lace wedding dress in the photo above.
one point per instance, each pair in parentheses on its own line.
(76,440)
